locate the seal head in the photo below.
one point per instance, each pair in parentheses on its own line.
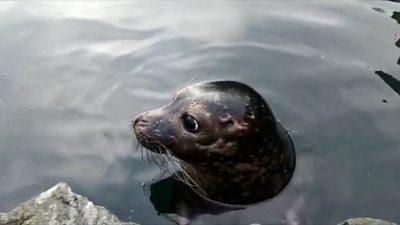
(226,138)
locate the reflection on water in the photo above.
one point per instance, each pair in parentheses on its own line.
(73,74)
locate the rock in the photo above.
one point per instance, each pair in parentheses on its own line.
(59,206)
(365,221)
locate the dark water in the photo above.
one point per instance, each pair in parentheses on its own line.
(73,74)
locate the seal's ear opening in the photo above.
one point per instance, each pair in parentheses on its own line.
(227,122)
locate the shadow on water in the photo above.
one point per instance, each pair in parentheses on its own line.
(396,16)
(390,80)
(387,78)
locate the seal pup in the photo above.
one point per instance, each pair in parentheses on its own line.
(226,140)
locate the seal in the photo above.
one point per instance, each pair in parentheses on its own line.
(224,138)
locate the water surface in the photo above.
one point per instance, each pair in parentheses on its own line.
(73,75)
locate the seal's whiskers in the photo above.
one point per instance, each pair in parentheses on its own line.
(182,175)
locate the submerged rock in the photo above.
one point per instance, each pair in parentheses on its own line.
(59,205)
(365,221)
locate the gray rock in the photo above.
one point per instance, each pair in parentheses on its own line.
(59,206)
(365,221)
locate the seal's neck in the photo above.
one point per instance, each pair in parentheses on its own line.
(249,178)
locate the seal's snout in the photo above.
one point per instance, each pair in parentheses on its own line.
(149,129)
(143,119)
(140,126)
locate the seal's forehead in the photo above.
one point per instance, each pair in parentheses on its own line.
(212,94)
(194,91)
(229,94)
(212,99)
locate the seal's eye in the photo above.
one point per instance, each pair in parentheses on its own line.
(190,123)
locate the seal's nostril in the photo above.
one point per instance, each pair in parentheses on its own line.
(138,119)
